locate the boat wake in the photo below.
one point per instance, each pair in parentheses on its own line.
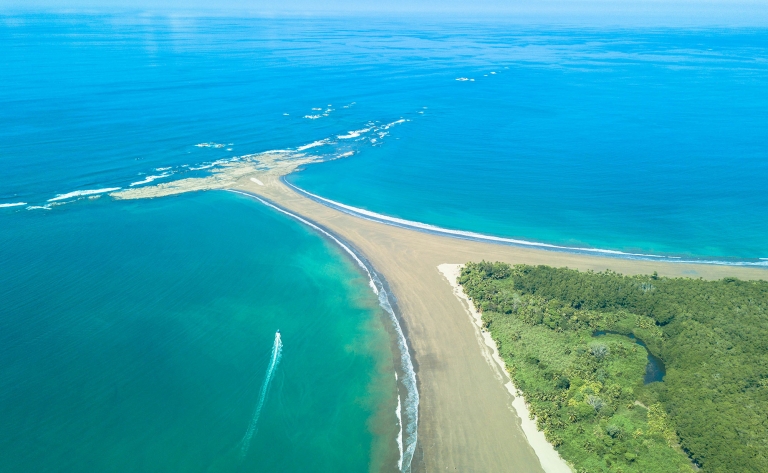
(408,394)
(277,351)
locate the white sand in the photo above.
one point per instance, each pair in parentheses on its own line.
(551,461)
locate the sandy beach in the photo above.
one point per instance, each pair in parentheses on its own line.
(468,418)
(549,458)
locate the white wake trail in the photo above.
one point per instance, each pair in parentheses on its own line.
(277,351)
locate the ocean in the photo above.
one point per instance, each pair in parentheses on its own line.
(136,336)
(141,335)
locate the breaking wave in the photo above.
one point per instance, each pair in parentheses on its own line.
(83,193)
(149,179)
(408,394)
(468,235)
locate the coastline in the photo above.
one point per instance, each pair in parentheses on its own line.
(551,461)
(474,236)
(405,374)
(468,420)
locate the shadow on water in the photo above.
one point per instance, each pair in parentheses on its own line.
(654,370)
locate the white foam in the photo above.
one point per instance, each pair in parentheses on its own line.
(36,207)
(493,73)
(149,179)
(224,161)
(433,228)
(317,109)
(462,79)
(390,125)
(314,144)
(399,424)
(14,204)
(253,179)
(206,166)
(162,169)
(286,114)
(353,134)
(347,154)
(83,192)
(277,351)
(409,432)
(312,117)
(366,214)
(210,145)
(273,151)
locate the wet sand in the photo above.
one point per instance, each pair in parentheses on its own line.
(467,422)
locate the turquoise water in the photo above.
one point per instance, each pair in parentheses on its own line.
(641,140)
(136,337)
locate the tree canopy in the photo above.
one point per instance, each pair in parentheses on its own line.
(586,389)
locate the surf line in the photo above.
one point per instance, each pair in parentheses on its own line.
(277,352)
(474,236)
(408,395)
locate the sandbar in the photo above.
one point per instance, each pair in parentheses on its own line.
(468,415)
(471,417)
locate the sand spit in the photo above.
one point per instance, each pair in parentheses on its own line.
(468,421)
(225,174)
(550,459)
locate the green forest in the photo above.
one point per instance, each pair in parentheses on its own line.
(570,340)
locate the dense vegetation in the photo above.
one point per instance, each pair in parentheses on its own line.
(587,391)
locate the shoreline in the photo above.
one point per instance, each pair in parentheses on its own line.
(482,237)
(405,372)
(469,417)
(550,459)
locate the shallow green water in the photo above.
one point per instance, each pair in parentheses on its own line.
(135,336)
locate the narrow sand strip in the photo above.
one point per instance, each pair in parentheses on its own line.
(550,459)
(467,418)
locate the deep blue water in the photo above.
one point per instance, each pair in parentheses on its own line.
(641,140)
